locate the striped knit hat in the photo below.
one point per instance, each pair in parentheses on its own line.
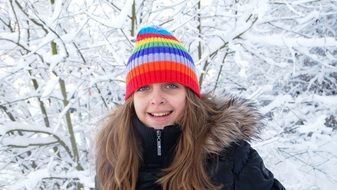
(159,57)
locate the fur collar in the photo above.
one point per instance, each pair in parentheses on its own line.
(236,119)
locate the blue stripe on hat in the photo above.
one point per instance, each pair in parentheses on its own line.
(160,49)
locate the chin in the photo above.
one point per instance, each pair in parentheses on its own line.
(161,126)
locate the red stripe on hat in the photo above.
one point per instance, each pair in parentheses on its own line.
(161,76)
(160,65)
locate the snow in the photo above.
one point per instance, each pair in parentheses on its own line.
(116,22)
(29,127)
(327,100)
(278,101)
(281,40)
(30,181)
(51,84)
(8,40)
(282,55)
(56,13)
(27,141)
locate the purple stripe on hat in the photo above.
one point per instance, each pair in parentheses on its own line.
(159,49)
(160,57)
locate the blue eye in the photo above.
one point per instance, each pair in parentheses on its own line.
(143,88)
(171,86)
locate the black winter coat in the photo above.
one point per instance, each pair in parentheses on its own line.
(231,162)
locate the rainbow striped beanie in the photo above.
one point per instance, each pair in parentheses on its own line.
(159,57)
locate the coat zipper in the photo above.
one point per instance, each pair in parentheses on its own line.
(158,142)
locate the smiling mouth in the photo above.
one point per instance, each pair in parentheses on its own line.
(160,114)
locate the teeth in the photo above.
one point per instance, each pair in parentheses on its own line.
(160,114)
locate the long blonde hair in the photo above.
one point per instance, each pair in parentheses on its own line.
(118,155)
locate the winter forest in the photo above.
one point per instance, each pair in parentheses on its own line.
(62,68)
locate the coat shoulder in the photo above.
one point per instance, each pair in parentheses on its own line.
(231,120)
(248,168)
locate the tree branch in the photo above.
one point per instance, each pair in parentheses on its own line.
(62,143)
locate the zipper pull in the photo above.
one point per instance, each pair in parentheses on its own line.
(158,142)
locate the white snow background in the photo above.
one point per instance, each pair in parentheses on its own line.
(62,68)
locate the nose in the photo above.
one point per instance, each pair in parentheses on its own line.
(157,97)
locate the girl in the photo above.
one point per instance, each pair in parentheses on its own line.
(168,136)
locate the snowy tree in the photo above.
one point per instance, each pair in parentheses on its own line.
(62,68)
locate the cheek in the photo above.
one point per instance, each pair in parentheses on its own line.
(181,106)
(180,102)
(139,106)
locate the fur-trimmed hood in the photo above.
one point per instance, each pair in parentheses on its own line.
(235,119)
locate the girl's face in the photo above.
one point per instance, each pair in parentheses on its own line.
(160,104)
